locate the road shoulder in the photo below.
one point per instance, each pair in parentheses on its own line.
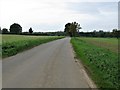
(84,70)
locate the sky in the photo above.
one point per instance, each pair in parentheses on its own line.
(52,15)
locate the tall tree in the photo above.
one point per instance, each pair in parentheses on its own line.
(15,28)
(30,30)
(116,33)
(0,30)
(67,29)
(4,30)
(72,28)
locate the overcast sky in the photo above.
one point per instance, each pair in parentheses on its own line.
(52,15)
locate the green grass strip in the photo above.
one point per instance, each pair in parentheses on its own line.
(101,63)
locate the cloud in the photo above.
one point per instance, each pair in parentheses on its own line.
(92,7)
(97,15)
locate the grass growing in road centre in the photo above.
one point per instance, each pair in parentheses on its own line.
(101,63)
(12,44)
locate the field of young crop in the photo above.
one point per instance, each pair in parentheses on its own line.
(100,57)
(108,43)
(12,44)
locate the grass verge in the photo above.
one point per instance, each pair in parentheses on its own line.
(101,63)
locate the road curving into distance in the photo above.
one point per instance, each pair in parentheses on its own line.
(50,65)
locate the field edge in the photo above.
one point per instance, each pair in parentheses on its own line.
(7,49)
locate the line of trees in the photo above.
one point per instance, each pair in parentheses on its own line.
(101,33)
(17,29)
(57,33)
(14,29)
(72,29)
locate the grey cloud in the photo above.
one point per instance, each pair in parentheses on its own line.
(92,7)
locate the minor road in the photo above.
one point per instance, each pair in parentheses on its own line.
(50,65)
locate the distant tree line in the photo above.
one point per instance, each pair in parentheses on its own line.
(17,29)
(14,29)
(71,29)
(58,33)
(101,33)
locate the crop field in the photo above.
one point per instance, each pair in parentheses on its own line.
(108,43)
(12,44)
(100,57)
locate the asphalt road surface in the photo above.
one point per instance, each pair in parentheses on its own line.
(50,65)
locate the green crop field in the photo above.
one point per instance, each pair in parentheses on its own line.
(12,44)
(100,57)
(108,43)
